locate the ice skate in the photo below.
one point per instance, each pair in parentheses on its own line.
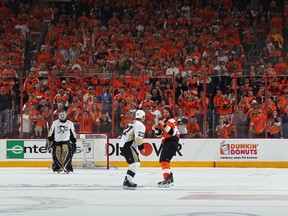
(127,185)
(166,183)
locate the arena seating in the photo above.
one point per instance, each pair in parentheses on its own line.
(102,60)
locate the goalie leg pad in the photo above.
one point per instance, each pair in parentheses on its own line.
(67,157)
(62,157)
(56,158)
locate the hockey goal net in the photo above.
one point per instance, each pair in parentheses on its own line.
(92,151)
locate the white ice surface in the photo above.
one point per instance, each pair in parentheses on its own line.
(197,192)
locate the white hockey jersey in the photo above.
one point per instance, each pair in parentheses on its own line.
(62,130)
(134,129)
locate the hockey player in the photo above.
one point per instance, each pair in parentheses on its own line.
(168,130)
(131,142)
(62,140)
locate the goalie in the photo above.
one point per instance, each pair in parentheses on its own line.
(62,140)
(131,141)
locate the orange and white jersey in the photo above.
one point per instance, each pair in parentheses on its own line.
(168,130)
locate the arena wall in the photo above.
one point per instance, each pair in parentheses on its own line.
(191,153)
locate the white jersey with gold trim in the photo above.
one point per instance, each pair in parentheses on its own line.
(62,130)
(133,130)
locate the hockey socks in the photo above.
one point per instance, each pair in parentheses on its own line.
(131,172)
(167,174)
(165,168)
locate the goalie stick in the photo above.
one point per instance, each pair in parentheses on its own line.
(48,143)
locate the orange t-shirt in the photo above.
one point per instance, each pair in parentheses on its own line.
(43,58)
(189,107)
(86,124)
(201,107)
(193,128)
(217,103)
(280,68)
(15,58)
(40,122)
(277,23)
(258,122)
(282,103)
(222,131)
(35,24)
(274,127)
(149,121)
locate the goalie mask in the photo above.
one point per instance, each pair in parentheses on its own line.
(62,115)
(140,114)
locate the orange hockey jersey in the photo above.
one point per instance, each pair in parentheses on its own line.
(168,130)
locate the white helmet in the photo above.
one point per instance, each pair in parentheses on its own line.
(140,114)
(62,115)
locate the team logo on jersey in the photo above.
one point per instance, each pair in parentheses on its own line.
(141,134)
(62,129)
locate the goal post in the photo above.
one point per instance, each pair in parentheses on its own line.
(92,151)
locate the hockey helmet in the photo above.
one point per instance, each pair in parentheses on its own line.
(140,114)
(62,115)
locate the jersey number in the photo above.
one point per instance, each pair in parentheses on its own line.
(127,129)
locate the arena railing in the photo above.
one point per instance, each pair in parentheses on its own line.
(78,101)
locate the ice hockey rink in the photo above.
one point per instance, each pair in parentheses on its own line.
(197,192)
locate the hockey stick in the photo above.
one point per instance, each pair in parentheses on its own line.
(48,143)
(47,127)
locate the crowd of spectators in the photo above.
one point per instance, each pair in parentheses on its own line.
(102,60)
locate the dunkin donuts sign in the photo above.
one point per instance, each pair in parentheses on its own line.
(239,150)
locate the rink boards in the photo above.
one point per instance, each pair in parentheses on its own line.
(190,153)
